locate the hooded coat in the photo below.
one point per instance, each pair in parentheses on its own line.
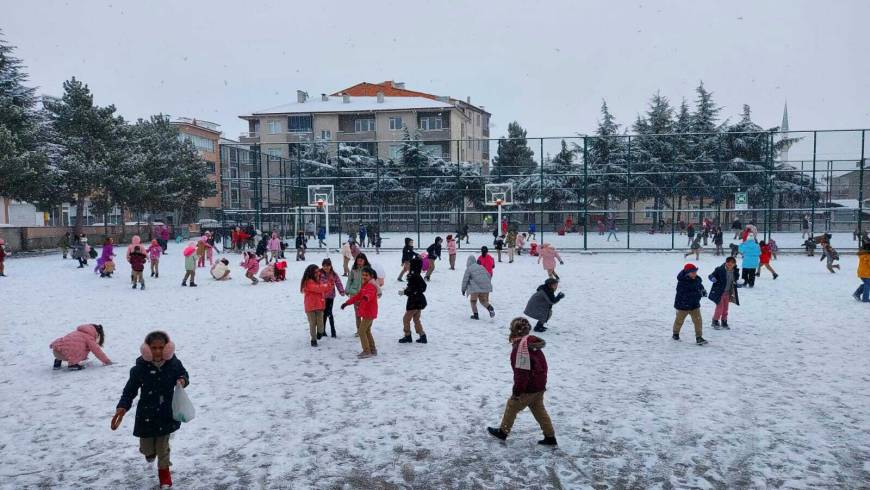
(106,255)
(548,257)
(751,254)
(408,252)
(689,292)
(133,243)
(476,278)
(416,286)
(487,262)
(530,380)
(719,277)
(540,305)
(75,346)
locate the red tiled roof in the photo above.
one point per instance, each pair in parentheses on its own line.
(366,89)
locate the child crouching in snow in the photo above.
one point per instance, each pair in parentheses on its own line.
(530,381)
(154,377)
(251,265)
(75,346)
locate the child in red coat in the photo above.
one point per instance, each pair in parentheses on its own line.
(2,256)
(530,382)
(367,311)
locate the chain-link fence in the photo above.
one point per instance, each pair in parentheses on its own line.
(583,192)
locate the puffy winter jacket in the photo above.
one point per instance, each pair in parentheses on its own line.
(476,278)
(765,254)
(548,256)
(336,281)
(487,262)
(451,247)
(863,264)
(190,262)
(751,254)
(137,260)
(540,305)
(354,282)
(408,253)
(434,250)
(415,291)
(274,243)
(75,346)
(135,241)
(367,300)
(531,380)
(719,277)
(218,270)
(314,295)
(156,384)
(251,265)
(689,292)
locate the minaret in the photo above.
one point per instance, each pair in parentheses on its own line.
(783,155)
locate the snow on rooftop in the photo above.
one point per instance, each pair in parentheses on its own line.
(355,104)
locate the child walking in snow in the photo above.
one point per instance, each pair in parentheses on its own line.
(416,302)
(434,253)
(154,251)
(355,281)
(137,263)
(548,257)
(764,259)
(201,250)
(189,265)
(829,253)
(690,289)
(314,293)
(408,253)
(511,242)
(530,382)
(695,248)
(863,291)
(521,241)
(751,257)
(154,377)
(274,247)
(329,275)
(300,246)
(74,347)
(367,311)
(486,260)
(346,257)
(724,291)
(540,305)
(477,283)
(498,243)
(251,265)
(451,251)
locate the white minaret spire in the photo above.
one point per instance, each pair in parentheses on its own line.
(783,155)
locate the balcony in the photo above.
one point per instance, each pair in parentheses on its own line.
(355,136)
(249,138)
(435,134)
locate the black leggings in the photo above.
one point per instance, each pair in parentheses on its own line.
(749,276)
(327,314)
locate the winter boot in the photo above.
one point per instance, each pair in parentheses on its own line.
(319,335)
(491,311)
(775,275)
(193,285)
(184,283)
(75,367)
(313,343)
(716,325)
(422,339)
(56,364)
(475,317)
(497,433)
(548,441)
(134,285)
(725,324)
(165,478)
(332,331)
(406,339)
(700,340)
(142,287)
(540,328)
(156,275)
(675,336)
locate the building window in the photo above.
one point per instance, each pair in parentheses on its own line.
(395,152)
(396,123)
(436,151)
(274,152)
(202,144)
(274,127)
(477,119)
(210,166)
(431,123)
(299,124)
(325,135)
(361,125)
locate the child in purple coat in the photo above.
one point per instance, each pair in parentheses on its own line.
(328,273)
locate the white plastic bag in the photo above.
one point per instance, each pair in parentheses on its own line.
(182,408)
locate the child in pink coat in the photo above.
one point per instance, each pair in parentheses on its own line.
(251,265)
(451,251)
(548,256)
(274,246)
(154,251)
(75,346)
(521,242)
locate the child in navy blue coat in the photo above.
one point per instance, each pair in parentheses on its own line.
(690,290)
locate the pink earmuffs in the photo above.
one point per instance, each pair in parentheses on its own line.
(168,351)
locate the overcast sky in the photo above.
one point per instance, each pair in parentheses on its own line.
(545,64)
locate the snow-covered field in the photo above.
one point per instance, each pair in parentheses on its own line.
(781,400)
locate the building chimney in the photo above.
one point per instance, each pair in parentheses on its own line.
(468,100)
(444,98)
(301,96)
(380,97)
(345,99)
(324,97)
(399,85)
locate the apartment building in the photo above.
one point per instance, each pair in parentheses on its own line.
(205,136)
(373,116)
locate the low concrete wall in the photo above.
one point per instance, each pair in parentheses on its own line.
(48,237)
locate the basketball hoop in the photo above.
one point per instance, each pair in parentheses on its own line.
(498,202)
(320,204)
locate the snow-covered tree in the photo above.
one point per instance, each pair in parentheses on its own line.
(653,152)
(513,157)
(607,153)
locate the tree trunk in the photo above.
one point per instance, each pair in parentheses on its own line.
(123,227)
(80,215)
(106,223)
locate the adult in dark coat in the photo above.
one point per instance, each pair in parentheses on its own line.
(690,290)
(540,305)
(416,302)
(724,291)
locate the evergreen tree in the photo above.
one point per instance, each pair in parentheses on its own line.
(25,170)
(513,158)
(653,152)
(607,164)
(84,134)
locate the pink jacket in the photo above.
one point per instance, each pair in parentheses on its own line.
(75,346)
(520,241)
(451,247)
(251,264)
(133,242)
(154,252)
(274,243)
(314,294)
(548,256)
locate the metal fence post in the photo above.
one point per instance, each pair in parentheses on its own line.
(813,196)
(673,208)
(541,197)
(417,199)
(630,193)
(585,193)
(861,187)
(769,187)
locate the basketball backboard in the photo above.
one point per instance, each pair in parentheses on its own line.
(496,192)
(321,194)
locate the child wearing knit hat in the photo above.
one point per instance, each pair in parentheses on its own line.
(690,289)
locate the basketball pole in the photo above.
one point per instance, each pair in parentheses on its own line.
(498,225)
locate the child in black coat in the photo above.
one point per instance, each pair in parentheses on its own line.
(690,290)
(154,377)
(416,302)
(301,245)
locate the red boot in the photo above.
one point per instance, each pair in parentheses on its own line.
(165,478)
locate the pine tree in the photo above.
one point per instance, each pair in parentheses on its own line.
(607,164)
(25,170)
(653,152)
(513,158)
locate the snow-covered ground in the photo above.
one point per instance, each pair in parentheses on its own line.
(781,400)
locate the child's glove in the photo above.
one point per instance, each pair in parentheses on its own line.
(704,293)
(560,295)
(118,418)
(560,262)
(401,292)
(343,305)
